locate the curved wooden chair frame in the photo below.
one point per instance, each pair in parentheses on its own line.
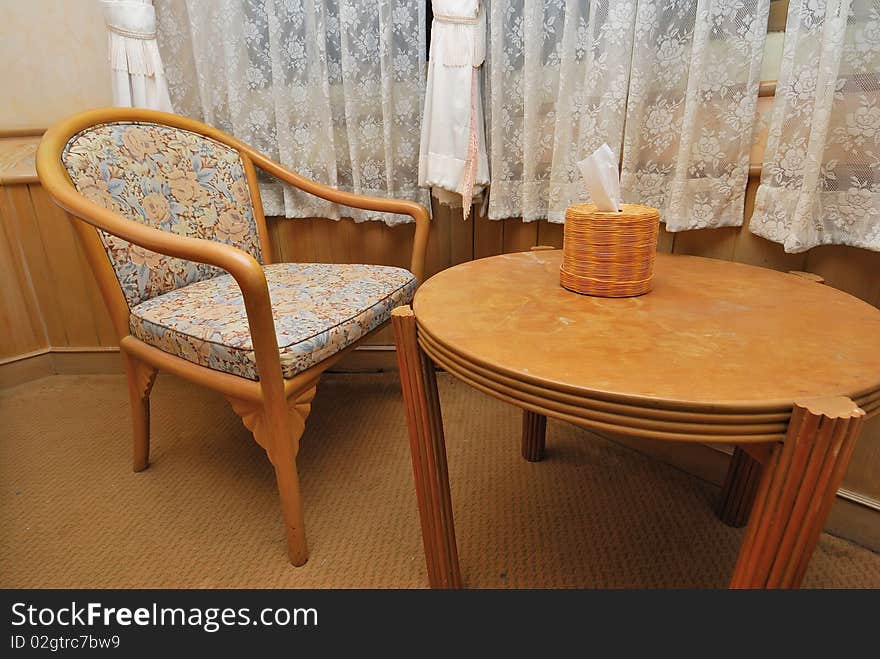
(274,409)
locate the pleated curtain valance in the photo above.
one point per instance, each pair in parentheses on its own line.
(452,150)
(135,63)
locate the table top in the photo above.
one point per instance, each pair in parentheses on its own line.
(710,334)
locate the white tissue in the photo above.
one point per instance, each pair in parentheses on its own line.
(599,170)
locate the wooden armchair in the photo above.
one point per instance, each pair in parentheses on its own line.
(173,228)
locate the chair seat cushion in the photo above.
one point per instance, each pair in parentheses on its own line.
(318,308)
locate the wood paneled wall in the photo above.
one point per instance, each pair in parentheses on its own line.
(50,298)
(856,271)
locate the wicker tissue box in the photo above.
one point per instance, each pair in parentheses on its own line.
(609,254)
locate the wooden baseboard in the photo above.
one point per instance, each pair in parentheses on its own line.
(706,462)
(100,361)
(854,516)
(25,368)
(367,359)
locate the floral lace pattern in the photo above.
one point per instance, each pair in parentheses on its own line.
(333,89)
(318,308)
(170,179)
(820,182)
(691,109)
(556,88)
(680,78)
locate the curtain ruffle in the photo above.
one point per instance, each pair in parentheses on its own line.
(138,74)
(820,180)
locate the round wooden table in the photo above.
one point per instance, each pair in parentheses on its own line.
(784,368)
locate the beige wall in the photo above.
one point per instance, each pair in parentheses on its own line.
(54,61)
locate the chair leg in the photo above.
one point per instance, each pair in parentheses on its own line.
(279,436)
(141,377)
(291,507)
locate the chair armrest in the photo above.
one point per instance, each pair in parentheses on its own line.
(243,267)
(401,206)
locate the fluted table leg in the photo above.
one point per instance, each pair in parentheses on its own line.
(797,488)
(740,487)
(428,449)
(534,433)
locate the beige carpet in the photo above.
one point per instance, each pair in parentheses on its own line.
(592,514)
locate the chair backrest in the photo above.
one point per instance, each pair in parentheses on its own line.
(171,179)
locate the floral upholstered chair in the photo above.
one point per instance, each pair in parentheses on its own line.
(172,224)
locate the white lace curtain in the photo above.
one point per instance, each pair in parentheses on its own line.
(331,88)
(335,89)
(135,64)
(673,85)
(557,76)
(691,109)
(820,182)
